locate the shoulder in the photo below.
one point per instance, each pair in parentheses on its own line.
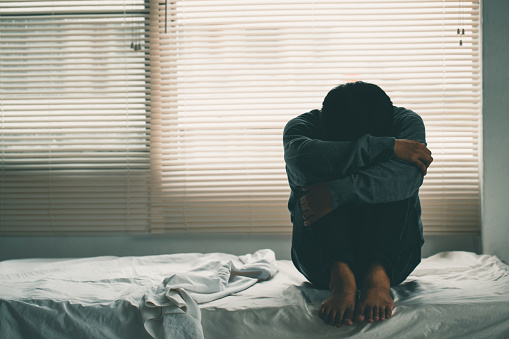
(405,117)
(401,113)
(308,121)
(408,125)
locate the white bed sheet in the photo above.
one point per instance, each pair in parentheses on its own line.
(449,295)
(110,297)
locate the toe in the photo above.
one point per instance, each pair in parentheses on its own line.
(375,313)
(326,315)
(388,312)
(348,318)
(381,313)
(359,313)
(321,312)
(331,317)
(369,314)
(339,319)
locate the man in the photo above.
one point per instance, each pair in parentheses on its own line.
(354,169)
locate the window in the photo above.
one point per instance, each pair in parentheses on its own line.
(74,116)
(186,132)
(234,72)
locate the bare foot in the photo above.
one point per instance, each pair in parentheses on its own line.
(376,302)
(339,308)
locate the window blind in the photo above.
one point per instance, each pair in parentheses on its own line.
(74,99)
(133,115)
(232,73)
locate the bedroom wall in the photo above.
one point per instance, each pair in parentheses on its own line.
(495,202)
(134,245)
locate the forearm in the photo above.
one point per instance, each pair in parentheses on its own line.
(385,182)
(311,160)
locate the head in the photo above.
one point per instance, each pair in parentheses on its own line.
(356,108)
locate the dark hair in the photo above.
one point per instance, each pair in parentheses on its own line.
(356,108)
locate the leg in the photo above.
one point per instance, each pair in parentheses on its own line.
(390,253)
(323,253)
(311,246)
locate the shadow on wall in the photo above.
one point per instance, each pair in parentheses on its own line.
(137,245)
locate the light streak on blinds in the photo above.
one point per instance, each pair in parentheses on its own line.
(232,73)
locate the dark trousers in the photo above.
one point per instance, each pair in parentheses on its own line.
(358,235)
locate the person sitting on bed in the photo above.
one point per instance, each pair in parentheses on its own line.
(354,169)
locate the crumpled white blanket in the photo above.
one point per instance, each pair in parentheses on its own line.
(121,297)
(170,310)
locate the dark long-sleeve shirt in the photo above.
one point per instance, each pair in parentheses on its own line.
(362,171)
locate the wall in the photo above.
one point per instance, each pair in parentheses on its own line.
(495,202)
(134,245)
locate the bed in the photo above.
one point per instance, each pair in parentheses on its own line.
(217,295)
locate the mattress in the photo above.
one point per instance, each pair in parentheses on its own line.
(449,295)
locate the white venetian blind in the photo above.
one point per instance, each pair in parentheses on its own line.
(137,115)
(74,116)
(230,74)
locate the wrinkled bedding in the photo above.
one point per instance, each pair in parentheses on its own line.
(449,295)
(130,297)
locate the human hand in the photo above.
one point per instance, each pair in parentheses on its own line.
(413,152)
(316,203)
